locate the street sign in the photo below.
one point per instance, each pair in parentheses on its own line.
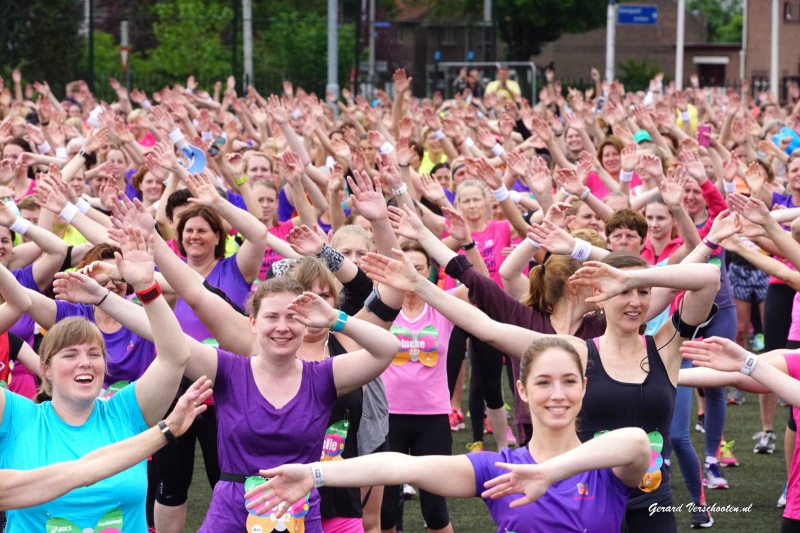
(123,55)
(640,15)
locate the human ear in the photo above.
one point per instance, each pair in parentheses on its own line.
(521,390)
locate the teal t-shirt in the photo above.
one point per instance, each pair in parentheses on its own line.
(33,435)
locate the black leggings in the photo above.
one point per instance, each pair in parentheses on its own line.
(485,382)
(789,525)
(777,315)
(174,463)
(456,349)
(417,435)
(640,521)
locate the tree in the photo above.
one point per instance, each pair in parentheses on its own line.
(723,19)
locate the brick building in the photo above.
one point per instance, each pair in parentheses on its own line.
(759,27)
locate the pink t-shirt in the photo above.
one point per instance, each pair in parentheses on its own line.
(416,381)
(793,492)
(599,188)
(794,329)
(490,243)
(280,231)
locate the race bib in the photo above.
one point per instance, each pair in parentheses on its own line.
(291,521)
(111,522)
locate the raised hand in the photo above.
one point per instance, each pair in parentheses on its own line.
(606,280)
(399,274)
(102,272)
(401,82)
(202,189)
(755,176)
(570,181)
(432,190)
(313,311)
(276,110)
(730,167)
(405,222)
(558,212)
(529,480)
(693,165)
(135,214)
(715,352)
(725,225)
(750,208)
(95,139)
(487,173)
(49,195)
(552,238)
(672,189)
(538,178)
(292,167)
(78,288)
(305,241)
(136,264)
(189,406)
(457,226)
(517,162)
(629,157)
(367,196)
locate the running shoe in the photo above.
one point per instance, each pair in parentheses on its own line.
(725,455)
(766,442)
(408,492)
(701,423)
(758,342)
(701,517)
(475,446)
(512,440)
(487,428)
(456,420)
(713,478)
(735,397)
(782,499)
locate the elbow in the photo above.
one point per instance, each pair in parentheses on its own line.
(640,447)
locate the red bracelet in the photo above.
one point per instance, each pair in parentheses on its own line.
(148,295)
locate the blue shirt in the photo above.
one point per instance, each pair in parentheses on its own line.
(33,435)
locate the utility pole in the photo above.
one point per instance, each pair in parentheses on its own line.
(679,45)
(773,62)
(333,48)
(611,31)
(247,42)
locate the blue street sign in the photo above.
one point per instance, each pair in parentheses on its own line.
(630,14)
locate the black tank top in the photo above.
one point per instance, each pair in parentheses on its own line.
(610,404)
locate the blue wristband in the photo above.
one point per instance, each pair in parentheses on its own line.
(341,320)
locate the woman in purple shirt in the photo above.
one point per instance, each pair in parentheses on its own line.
(570,486)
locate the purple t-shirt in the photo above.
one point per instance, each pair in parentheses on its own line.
(254,435)
(25,325)
(285,207)
(782,199)
(225,276)
(129,355)
(591,501)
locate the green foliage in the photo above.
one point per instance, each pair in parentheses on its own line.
(721,19)
(296,48)
(41,38)
(637,73)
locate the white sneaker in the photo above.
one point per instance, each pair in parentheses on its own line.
(766,442)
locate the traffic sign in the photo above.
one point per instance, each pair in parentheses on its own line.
(642,15)
(123,54)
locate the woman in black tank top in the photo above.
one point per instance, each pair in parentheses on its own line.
(631,379)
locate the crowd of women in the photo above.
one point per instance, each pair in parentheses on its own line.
(329,268)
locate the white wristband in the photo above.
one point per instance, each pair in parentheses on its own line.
(386,148)
(296,114)
(728,186)
(83,206)
(176,136)
(146,104)
(44,147)
(584,194)
(479,115)
(501,194)
(581,251)
(69,212)
(207,136)
(533,243)
(20,226)
(61,153)
(566,192)
(189,91)
(749,364)
(498,149)
(401,191)
(317,475)
(625,176)
(685,115)
(468,142)
(439,135)
(515,196)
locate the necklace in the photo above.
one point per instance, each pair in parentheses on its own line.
(325,351)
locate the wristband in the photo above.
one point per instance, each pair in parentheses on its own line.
(83,206)
(386,148)
(82,153)
(710,244)
(728,186)
(566,192)
(501,194)
(296,114)
(317,476)
(468,142)
(625,176)
(533,243)
(207,136)
(69,212)
(103,299)
(189,91)
(240,181)
(20,226)
(584,194)
(341,320)
(61,153)
(749,364)
(439,135)
(479,115)
(498,149)
(403,166)
(44,147)
(166,432)
(581,251)
(685,115)
(469,246)
(333,259)
(176,136)
(401,191)
(376,306)
(146,104)
(149,294)
(515,196)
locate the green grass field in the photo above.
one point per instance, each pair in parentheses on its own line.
(757,481)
